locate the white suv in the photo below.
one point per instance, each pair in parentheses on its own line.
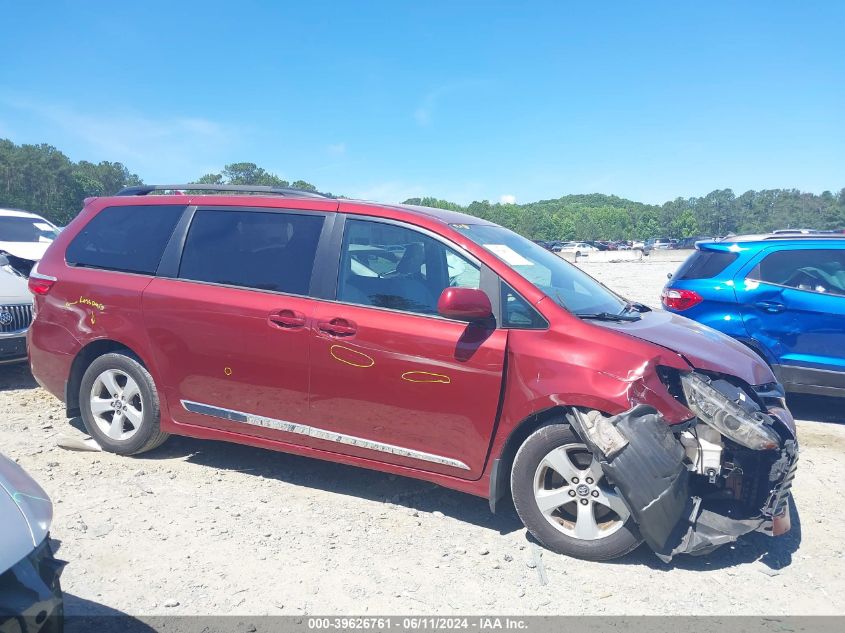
(15,313)
(24,237)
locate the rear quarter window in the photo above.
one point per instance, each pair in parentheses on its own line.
(127,239)
(705,264)
(261,250)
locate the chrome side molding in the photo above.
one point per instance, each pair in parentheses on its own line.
(316,433)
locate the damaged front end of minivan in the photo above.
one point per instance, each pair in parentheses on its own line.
(705,482)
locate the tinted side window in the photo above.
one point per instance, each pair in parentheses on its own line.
(129,239)
(391,266)
(517,313)
(267,251)
(813,270)
(705,264)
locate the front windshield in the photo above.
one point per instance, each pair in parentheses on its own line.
(21,229)
(568,286)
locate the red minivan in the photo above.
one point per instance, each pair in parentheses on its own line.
(415,341)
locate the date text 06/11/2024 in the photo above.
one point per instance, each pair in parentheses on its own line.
(418,623)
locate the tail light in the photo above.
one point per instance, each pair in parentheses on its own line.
(40,284)
(679,299)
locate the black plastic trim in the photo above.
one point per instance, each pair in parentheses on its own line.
(168,266)
(808,380)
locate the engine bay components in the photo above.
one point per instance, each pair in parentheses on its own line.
(740,420)
(703,447)
(703,483)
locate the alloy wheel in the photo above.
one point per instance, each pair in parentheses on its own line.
(574,496)
(116,404)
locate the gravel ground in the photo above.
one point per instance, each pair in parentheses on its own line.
(200,527)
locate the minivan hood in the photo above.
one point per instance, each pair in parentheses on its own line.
(25,513)
(703,347)
(33,251)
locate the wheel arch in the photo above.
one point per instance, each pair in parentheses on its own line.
(83,360)
(759,349)
(503,462)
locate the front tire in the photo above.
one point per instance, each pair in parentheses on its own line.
(120,406)
(566,502)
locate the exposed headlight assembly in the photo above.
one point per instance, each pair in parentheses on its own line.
(731,420)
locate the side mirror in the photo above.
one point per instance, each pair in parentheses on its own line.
(466,304)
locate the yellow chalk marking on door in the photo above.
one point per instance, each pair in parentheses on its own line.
(362,361)
(425,376)
(86,301)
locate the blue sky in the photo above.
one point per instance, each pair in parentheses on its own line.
(460,100)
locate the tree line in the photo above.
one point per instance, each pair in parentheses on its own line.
(602,217)
(42,179)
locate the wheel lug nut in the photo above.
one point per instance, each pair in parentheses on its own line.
(584,502)
(589,480)
(572,493)
(595,493)
(575,480)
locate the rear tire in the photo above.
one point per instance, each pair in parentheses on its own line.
(582,515)
(120,406)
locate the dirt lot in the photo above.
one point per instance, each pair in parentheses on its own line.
(208,528)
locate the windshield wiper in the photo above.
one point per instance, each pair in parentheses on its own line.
(607,316)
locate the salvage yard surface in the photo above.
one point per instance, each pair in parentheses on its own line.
(200,527)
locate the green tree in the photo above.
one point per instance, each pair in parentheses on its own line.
(685,225)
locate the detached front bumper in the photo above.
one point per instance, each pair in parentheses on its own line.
(31,594)
(681,512)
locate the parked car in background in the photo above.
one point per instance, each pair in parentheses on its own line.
(15,313)
(657,243)
(415,341)
(688,242)
(783,295)
(30,592)
(579,248)
(637,244)
(24,237)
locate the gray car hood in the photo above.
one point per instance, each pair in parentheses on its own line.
(13,287)
(33,251)
(25,513)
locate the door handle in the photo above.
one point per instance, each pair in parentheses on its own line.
(772,307)
(338,327)
(287,319)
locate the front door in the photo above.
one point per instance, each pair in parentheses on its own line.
(794,305)
(396,382)
(231,333)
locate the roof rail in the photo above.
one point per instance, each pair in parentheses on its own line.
(805,236)
(143,190)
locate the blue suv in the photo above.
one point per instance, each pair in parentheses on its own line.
(782,295)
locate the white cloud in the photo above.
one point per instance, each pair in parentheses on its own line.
(336,149)
(157,148)
(424,112)
(507,198)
